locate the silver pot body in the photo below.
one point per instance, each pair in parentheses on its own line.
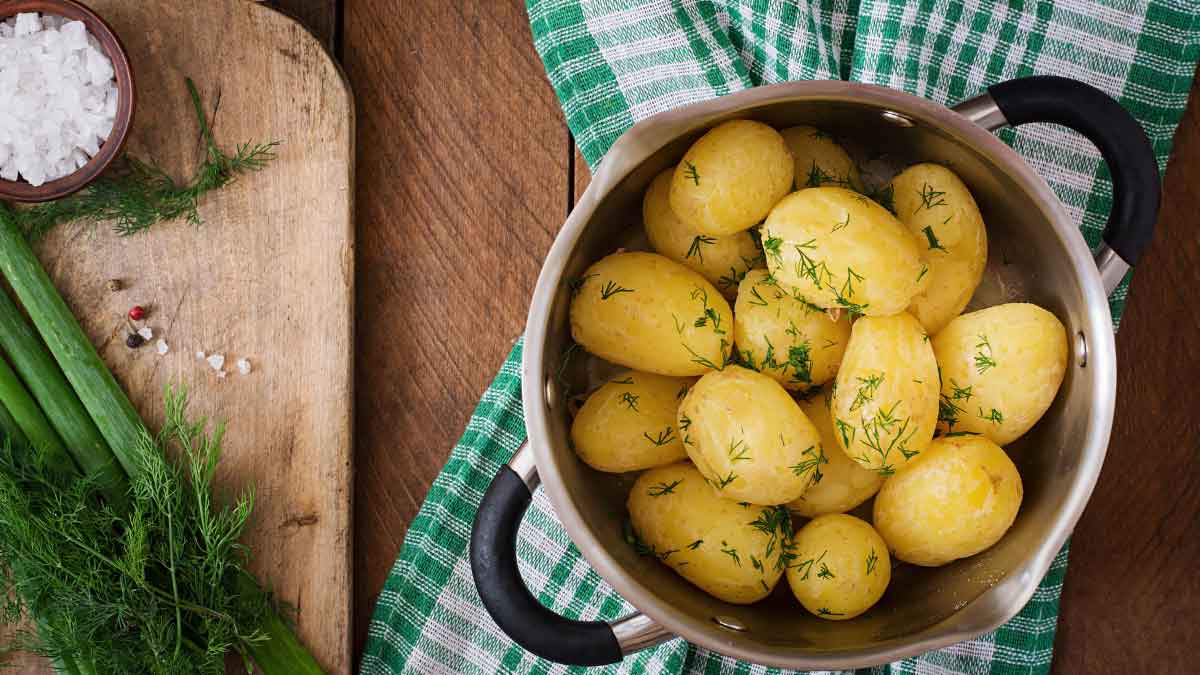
(1044,260)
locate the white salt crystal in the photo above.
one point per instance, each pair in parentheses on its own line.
(27,23)
(200,354)
(217,361)
(243,366)
(145,332)
(161,346)
(221,374)
(58,99)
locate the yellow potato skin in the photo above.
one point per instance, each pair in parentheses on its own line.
(729,550)
(628,424)
(769,320)
(885,406)
(640,310)
(863,258)
(954,500)
(819,159)
(841,568)
(939,210)
(731,177)
(843,484)
(721,260)
(748,437)
(1001,369)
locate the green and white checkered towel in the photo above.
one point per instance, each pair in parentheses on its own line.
(614,62)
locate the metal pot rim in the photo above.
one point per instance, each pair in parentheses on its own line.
(993,607)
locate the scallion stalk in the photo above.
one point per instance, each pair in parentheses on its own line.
(28,417)
(48,386)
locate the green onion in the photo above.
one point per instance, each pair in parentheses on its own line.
(58,401)
(8,426)
(28,417)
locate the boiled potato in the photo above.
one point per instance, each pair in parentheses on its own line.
(819,159)
(885,406)
(730,178)
(748,437)
(840,249)
(781,334)
(1001,368)
(722,260)
(841,567)
(731,551)
(843,483)
(939,209)
(954,500)
(628,424)
(650,313)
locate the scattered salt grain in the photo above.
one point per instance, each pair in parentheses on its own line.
(200,355)
(243,366)
(217,361)
(145,332)
(161,345)
(221,374)
(58,99)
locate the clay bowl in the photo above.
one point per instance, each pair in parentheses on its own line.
(20,191)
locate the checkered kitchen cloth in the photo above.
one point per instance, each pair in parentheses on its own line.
(615,62)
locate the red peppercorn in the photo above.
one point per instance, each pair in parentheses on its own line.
(137,313)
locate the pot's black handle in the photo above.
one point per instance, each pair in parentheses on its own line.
(1115,132)
(512,606)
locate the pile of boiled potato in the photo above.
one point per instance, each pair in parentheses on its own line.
(844,370)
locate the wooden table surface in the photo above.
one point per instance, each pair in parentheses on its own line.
(466,171)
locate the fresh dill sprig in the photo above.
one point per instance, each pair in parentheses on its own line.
(731,552)
(153,588)
(690,172)
(812,464)
(629,400)
(872,558)
(931,238)
(137,194)
(758,299)
(930,198)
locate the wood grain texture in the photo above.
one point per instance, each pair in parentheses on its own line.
(462,185)
(269,276)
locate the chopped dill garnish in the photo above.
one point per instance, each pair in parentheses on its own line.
(699,241)
(776,523)
(758,300)
(683,390)
(626,380)
(825,611)
(842,224)
(825,572)
(575,284)
(934,244)
(812,464)
(731,552)
(663,488)
(738,450)
(723,482)
(611,288)
(867,386)
(995,417)
(629,400)
(663,437)
(690,172)
(872,558)
(695,545)
(983,357)
(807,565)
(929,198)
(924,271)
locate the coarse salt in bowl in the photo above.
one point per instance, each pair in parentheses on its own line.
(66,98)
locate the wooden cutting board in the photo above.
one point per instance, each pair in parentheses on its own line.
(268,276)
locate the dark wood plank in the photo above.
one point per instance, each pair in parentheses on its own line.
(319,16)
(1132,591)
(462,161)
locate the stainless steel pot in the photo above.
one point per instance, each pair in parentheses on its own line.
(1040,249)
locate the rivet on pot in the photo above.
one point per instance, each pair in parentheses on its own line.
(729,623)
(897,119)
(551,393)
(1081,349)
